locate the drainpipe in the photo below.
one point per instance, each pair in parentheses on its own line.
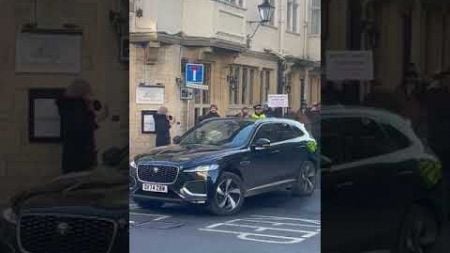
(305,30)
(281,26)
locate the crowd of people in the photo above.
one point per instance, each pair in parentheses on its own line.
(307,116)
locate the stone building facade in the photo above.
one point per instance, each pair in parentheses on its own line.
(280,57)
(398,32)
(24,163)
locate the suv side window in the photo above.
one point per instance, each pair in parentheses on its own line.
(330,140)
(269,131)
(363,138)
(288,132)
(397,140)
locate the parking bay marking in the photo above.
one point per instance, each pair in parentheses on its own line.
(146,217)
(268,229)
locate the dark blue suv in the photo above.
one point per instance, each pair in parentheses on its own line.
(221,161)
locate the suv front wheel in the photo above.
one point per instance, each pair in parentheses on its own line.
(306,181)
(228,196)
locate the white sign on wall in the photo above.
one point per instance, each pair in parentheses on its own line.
(349,65)
(148,122)
(150,95)
(278,100)
(48,53)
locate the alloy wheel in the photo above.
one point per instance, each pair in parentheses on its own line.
(228,195)
(307,178)
(421,233)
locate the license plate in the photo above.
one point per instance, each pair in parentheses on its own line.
(155,188)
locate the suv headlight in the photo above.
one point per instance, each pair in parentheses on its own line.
(203,168)
(133,164)
(9,215)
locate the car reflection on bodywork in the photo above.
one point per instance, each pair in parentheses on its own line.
(84,212)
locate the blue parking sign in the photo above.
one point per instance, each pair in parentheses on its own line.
(194,74)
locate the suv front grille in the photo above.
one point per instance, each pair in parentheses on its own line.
(157,174)
(68,234)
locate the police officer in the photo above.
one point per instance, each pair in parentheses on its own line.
(259,113)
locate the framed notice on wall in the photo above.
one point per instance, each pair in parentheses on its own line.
(150,95)
(148,122)
(44,122)
(48,52)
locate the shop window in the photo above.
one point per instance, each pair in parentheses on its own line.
(264,85)
(241,81)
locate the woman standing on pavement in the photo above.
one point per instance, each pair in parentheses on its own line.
(163,122)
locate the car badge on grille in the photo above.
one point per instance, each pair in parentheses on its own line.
(62,228)
(155,170)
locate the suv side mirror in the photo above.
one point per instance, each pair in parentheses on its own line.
(261,144)
(176,140)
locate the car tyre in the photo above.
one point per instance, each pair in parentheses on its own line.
(419,232)
(148,204)
(306,181)
(228,196)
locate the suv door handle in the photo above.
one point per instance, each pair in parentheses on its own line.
(344,184)
(276,151)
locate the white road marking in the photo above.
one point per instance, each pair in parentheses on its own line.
(268,229)
(154,217)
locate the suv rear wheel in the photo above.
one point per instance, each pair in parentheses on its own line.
(228,196)
(306,181)
(419,232)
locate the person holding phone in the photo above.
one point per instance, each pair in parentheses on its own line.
(79,123)
(163,122)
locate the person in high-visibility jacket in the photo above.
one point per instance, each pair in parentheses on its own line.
(258,114)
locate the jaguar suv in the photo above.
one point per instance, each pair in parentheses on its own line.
(80,212)
(221,161)
(382,187)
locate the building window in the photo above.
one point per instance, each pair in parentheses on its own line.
(241,85)
(272,21)
(264,85)
(239,3)
(292,16)
(131,5)
(202,97)
(314,27)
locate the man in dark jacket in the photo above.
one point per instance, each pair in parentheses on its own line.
(211,114)
(78,127)
(162,127)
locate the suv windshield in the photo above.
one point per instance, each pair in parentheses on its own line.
(229,132)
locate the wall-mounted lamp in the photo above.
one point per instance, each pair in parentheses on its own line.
(265,11)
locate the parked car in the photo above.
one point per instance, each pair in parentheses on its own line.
(221,161)
(381,185)
(85,212)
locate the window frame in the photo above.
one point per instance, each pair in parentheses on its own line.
(264,82)
(243,94)
(235,3)
(292,16)
(315,9)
